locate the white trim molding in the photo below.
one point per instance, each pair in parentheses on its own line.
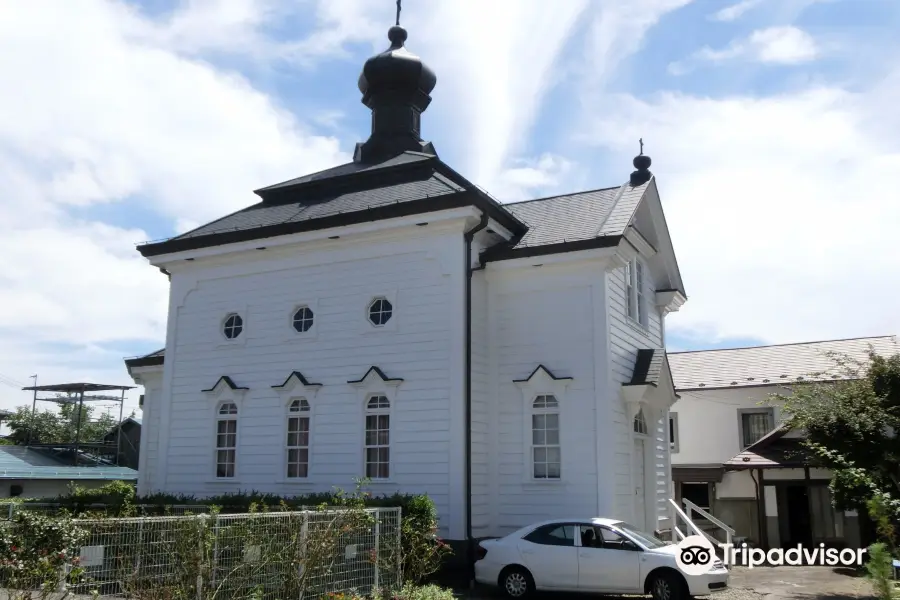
(541,383)
(669,300)
(226,390)
(375,383)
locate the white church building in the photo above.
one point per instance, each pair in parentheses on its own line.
(387,319)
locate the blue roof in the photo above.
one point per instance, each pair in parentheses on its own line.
(19,462)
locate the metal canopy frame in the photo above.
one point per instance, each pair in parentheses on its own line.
(76,395)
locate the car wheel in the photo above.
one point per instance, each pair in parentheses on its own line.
(516,582)
(668,586)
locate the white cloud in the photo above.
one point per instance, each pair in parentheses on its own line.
(105,112)
(784,45)
(735,11)
(782,209)
(525,178)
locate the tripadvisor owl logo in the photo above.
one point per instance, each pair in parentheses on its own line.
(695,555)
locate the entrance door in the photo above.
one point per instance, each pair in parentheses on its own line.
(799,526)
(640,510)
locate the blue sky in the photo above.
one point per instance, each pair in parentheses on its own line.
(771,124)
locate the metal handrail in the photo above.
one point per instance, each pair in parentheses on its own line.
(729,531)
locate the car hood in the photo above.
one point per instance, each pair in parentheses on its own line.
(668,550)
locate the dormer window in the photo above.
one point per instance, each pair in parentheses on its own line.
(636,292)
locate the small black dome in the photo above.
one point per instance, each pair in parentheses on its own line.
(396,69)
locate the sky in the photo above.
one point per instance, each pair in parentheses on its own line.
(772,126)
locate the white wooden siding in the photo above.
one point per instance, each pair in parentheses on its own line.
(417,348)
(626,338)
(481,438)
(549,322)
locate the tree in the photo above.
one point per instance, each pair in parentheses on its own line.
(47,427)
(852,428)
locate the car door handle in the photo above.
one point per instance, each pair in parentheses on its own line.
(527,551)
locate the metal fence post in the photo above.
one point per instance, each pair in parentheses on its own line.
(377,549)
(200,541)
(11,505)
(399,546)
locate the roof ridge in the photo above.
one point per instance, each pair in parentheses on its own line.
(853,339)
(611,210)
(603,189)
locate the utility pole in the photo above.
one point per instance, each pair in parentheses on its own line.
(33,410)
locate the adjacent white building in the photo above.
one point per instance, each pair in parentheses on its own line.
(389,319)
(729,455)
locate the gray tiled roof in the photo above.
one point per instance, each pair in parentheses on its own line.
(577,217)
(263,214)
(407,182)
(770,365)
(348,168)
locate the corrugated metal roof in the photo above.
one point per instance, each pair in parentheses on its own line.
(770,365)
(19,462)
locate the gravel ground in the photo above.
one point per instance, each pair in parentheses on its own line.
(759,583)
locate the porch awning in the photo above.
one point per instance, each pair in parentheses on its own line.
(772,451)
(698,473)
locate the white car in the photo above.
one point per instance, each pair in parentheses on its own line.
(563,555)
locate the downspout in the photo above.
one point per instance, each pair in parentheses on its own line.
(468,237)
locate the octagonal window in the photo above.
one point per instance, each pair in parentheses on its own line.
(303,319)
(380,311)
(233,327)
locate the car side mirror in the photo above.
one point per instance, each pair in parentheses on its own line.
(629,545)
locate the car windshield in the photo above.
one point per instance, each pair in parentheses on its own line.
(647,539)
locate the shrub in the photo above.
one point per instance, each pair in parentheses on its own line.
(34,550)
(881,572)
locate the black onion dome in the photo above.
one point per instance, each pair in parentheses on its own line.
(396,69)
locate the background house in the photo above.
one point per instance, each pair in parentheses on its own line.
(727,456)
(48,473)
(129,446)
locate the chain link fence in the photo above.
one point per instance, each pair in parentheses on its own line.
(263,556)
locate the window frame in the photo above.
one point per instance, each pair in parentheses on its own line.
(224,391)
(223,418)
(223,326)
(642,421)
(377,412)
(367,326)
(673,433)
(300,414)
(545,411)
(709,494)
(241,311)
(297,387)
(637,307)
(741,412)
(376,383)
(542,382)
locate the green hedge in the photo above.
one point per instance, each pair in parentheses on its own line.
(119,497)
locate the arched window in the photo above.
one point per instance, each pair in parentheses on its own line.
(298,439)
(640,423)
(546,458)
(226,439)
(378,438)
